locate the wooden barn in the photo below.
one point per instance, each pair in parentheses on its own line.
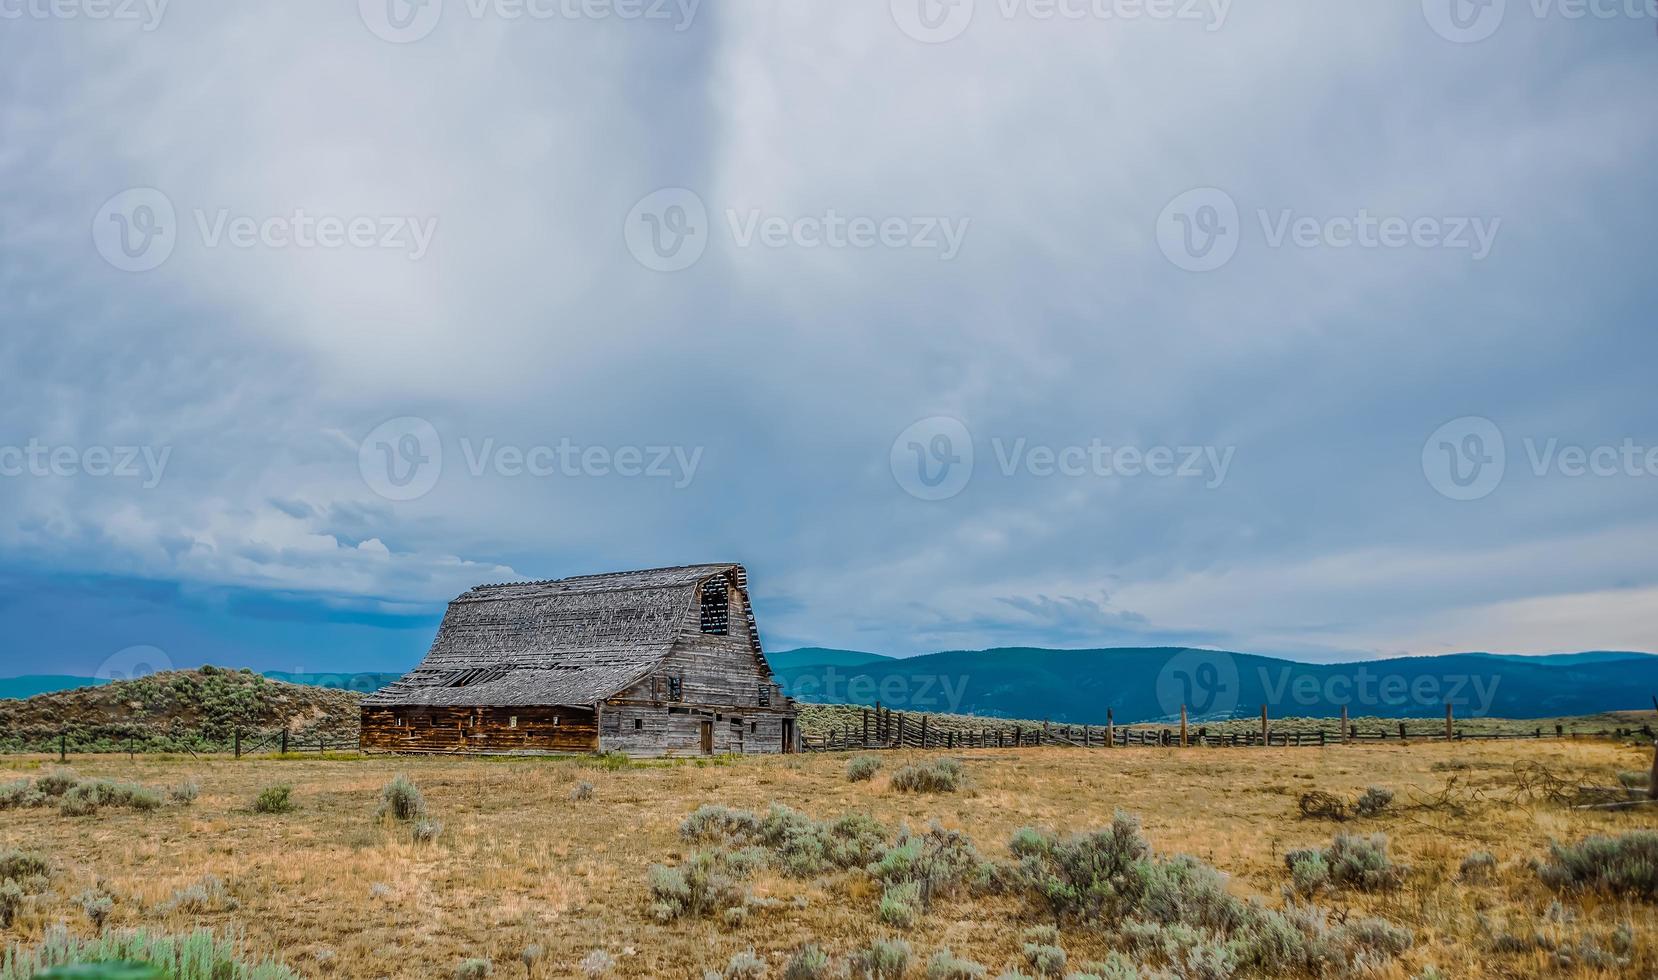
(664,662)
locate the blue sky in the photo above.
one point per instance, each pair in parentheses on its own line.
(1318,329)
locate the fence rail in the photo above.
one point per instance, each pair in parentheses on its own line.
(882,728)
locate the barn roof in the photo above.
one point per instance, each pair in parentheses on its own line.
(570,641)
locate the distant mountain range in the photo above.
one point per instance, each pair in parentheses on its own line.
(1144,684)
(1139,684)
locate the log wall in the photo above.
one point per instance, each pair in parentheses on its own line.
(504,730)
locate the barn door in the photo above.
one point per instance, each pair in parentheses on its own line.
(707,738)
(788,735)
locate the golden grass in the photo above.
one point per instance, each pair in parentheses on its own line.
(335,892)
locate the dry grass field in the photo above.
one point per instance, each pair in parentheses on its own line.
(335,891)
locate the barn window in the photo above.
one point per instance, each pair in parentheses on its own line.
(512,722)
(676,688)
(638,723)
(764,695)
(753,726)
(716,608)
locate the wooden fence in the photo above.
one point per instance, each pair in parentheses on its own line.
(882,728)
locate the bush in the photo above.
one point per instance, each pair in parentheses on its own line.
(205,896)
(883,959)
(1081,875)
(715,822)
(582,791)
(1635,780)
(97,907)
(198,955)
(1477,866)
(19,794)
(946,965)
(185,793)
(426,831)
(900,904)
(275,799)
(474,969)
(1047,959)
(1373,802)
(1623,865)
(598,963)
(11,902)
(939,776)
(708,882)
(1350,860)
(862,768)
(91,795)
(744,966)
(23,865)
(809,963)
(1309,872)
(57,781)
(939,862)
(401,800)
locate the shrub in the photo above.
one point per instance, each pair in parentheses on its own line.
(1046,959)
(23,865)
(582,791)
(900,904)
(401,800)
(531,955)
(97,907)
(1623,865)
(1351,860)
(808,963)
(426,831)
(88,796)
(598,963)
(1371,936)
(745,965)
(1082,874)
(18,794)
(198,955)
(946,965)
(715,822)
(205,896)
(57,781)
(185,793)
(11,902)
(939,862)
(1477,866)
(862,768)
(474,969)
(1635,780)
(883,959)
(276,799)
(939,776)
(1309,872)
(1373,802)
(707,882)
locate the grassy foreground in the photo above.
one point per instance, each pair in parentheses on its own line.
(527,859)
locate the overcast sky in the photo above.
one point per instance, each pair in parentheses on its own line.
(1306,327)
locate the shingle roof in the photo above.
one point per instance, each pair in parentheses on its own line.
(570,641)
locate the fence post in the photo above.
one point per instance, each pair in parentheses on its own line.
(866,727)
(1401,731)
(1449,723)
(1110,730)
(1344,729)
(236,740)
(923,731)
(1183,742)
(284,740)
(1266,730)
(63,746)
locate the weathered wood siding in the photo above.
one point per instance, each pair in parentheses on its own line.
(647,729)
(521,729)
